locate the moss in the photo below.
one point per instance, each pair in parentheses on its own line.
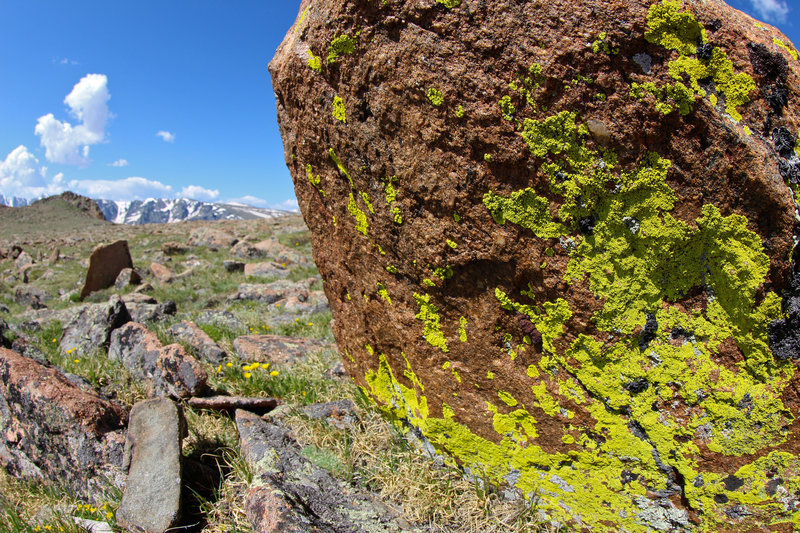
(674,29)
(314,62)
(435,96)
(449,4)
(429,315)
(341,44)
(339,111)
(362,226)
(788,47)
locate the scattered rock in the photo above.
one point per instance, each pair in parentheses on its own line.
(92,326)
(266,270)
(138,298)
(173,248)
(55,431)
(273,249)
(105,264)
(336,371)
(341,414)
(144,287)
(144,312)
(162,274)
(211,238)
(31,296)
(55,255)
(269,293)
(151,502)
(127,277)
(230,404)
(276,348)
(224,320)
(245,250)
(23,261)
(167,370)
(290,494)
(188,332)
(233,266)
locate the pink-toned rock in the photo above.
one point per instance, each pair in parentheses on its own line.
(127,277)
(53,429)
(162,274)
(212,238)
(189,333)
(265,270)
(105,264)
(276,348)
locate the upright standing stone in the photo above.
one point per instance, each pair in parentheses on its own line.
(105,264)
(555,237)
(152,497)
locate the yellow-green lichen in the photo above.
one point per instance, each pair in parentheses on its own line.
(462,329)
(507,108)
(362,226)
(451,244)
(429,315)
(341,44)
(669,97)
(383,293)
(435,96)
(487,158)
(392,269)
(367,202)
(460,111)
(674,29)
(788,47)
(316,181)
(527,84)
(445,272)
(391,197)
(340,166)
(314,62)
(339,112)
(602,45)
(449,4)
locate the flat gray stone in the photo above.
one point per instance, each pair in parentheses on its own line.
(152,497)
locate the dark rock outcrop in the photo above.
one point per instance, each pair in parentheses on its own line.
(554,236)
(53,429)
(105,264)
(91,328)
(188,332)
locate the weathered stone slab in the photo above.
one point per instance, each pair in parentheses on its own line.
(289,494)
(167,370)
(91,328)
(152,497)
(162,274)
(276,348)
(105,264)
(265,270)
(126,278)
(188,332)
(230,404)
(53,429)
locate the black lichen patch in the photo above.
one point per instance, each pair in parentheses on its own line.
(784,142)
(628,477)
(790,171)
(648,332)
(637,385)
(529,329)
(721,498)
(777,97)
(772,67)
(772,485)
(705,50)
(715,25)
(733,483)
(586,225)
(784,334)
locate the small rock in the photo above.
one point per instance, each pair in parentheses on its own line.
(197,339)
(127,277)
(340,414)
(265,270)
(144,287)
(212,238)
(138,298)
(152,497)
(105,264)
(55,255)
(162,274)
(245,250)
(336,371)
(276,348)
(230,404)
(31,296)
(145,312)
(173,248)
(224,320)
(23,261)
(233,266)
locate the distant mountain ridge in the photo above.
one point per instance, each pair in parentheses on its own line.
(166,210)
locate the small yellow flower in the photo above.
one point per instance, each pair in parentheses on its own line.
(248,375)
(251,329)
(219,369)
(76,360)
(273,373)
(253,366)
(297,320)
(246,368)
(54,339)
(310,324)
(277,305)
(109,515)
(265,365)
(229,365)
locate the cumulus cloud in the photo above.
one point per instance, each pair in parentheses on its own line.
(133,188)
(195,192)
(119,163)
(771,10)
(22,175)
(287,205)
(167,136)
(69,144)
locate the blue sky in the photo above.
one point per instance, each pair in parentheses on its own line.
(159,98)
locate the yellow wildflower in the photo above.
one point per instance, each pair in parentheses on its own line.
(248,375)
(273,373)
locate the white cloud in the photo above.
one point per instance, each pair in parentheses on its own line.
(133,188)
(68,144)
(22,175)
(195,192)
(119,163)
(66,61)
(249,200)
(167,136)
(287,205)
(771,10)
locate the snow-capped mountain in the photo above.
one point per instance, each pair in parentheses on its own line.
(14,201)
(162,210)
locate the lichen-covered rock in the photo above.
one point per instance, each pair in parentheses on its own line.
(555,238)
(91,328)
(53,429)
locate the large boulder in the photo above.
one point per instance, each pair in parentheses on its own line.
(91,328)
(555,238)
(53,429)
(105,264)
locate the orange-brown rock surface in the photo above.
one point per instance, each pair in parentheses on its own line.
(556,238)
